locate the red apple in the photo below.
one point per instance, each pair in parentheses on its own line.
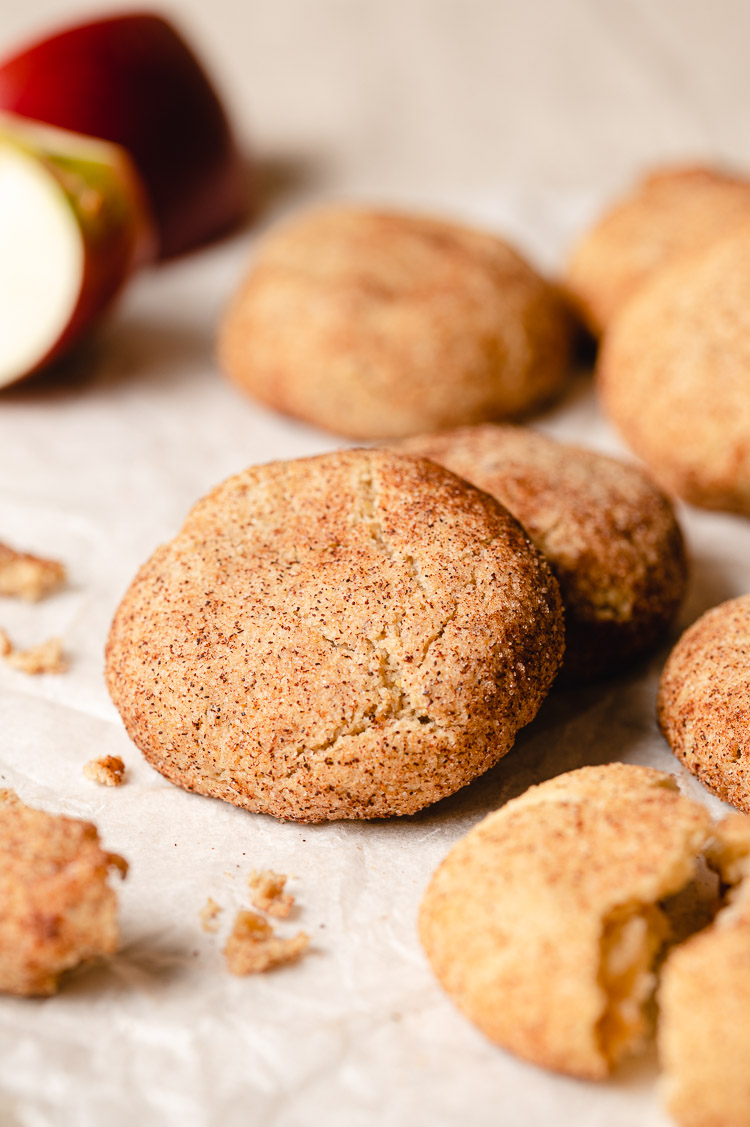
(74,225)
(133,80)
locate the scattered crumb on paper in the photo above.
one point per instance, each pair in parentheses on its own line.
(267,892)
(209,915)
(253,947)
(108,771)
(28,577)
(45,658)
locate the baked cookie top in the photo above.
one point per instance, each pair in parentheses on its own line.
(674,375)
(609,534)
(543,923)
(381,324)
(348,636)
(704,700)
(673,212)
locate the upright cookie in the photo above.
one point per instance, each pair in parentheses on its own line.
(610,536)
(350,636)
(672,213)
(704,701)
(543,924)
(378,325)
(674,375)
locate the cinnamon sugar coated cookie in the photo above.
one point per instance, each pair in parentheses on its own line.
(609,534)
(672,213)
(377,324)
(349,636)
(57,906)
(704,701)
(674,376)
(543,924)
(704,1002)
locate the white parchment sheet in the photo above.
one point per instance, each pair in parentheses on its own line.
(97,467)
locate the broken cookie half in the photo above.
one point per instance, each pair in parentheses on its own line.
(545,922)
(56,905)
(704,1000)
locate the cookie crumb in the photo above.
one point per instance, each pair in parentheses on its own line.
(9,797)
(209,915)
(267,892)
(253,948)
(58,906)
(45,658)
(6,645)
(108,771)
(28,577)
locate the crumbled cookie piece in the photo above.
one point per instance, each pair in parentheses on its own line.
(267,892)
(209,915)
(253,947)
(28,577)
(8,797)
(45,658)
(108,771)
(6,646)
(57,906)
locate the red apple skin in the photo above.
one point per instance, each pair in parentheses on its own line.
(106,194)
(133,80)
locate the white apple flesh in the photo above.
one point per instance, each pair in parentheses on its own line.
(74,226)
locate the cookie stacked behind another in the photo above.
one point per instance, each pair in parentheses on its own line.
(674,212)
(674,375)
(377,325)
(609,534)
(350,636)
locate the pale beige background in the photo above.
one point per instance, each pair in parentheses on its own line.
(393,94)
(517,116)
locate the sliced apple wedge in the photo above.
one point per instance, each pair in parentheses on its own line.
(132,79)
(74,225)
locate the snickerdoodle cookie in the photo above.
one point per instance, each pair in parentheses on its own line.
(349,636)
(674,375)
(704,1001)
(704,700)
(377,325)
(672,213)
(57,906)
(543,924)
(610,536)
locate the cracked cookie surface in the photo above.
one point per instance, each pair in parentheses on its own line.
(609,534)
(350,636)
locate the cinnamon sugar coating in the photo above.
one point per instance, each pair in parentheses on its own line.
(543,924)
(704,701)
(672,213)
(377,324)
(609,534)
(350,636)
(674,375)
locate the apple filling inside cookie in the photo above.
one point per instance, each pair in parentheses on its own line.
(632,938)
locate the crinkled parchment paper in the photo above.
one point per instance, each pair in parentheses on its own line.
(99,465)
